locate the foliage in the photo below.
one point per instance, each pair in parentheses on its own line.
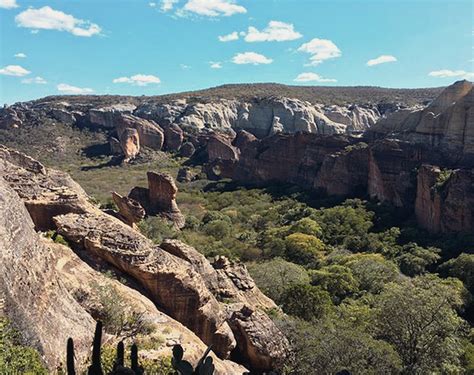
(415,260)
(275,276)
(326,347)
(306,302)
(337,280)
(304,248)
(418,317)
(461,267)
(16,358)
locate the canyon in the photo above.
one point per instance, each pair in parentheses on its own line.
(415,153)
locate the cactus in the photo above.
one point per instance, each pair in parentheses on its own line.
(70,357)
(205,365)
(96,368)
(119,360)
(134,360)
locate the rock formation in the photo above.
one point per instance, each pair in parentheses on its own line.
(160,198)
(447,124)
(445,199)
(185,174)
(129,210)
(177,278)
(174,136)
(129,143)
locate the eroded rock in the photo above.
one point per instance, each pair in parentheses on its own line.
(130,211)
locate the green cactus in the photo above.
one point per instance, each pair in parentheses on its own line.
(70,357)
(119,360)
(96,368)
(205,365)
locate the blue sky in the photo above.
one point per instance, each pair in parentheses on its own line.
(153,47)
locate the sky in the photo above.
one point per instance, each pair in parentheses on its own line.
(153,47)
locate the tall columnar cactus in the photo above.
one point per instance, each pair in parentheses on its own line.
(70,357)
(96,368)
(119,360)
(205,365)
(134,360)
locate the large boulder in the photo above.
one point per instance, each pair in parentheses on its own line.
(129,210)
(129,143)
(149,132)
(174,136)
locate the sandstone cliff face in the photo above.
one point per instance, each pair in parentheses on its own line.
(36,299)
(445,199)
(176,280)
(447,123)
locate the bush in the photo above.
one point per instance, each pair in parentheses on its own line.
(306,302)
(16,358)
(304,249)
(337,280)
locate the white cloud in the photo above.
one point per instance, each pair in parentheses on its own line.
(215,64)
(320,50)
(275,31)
(167,5)
(184,67)
(8,4)
(152,4)
(20,55)
(138,80)
(312,77)
(47,18)
(251,58)
(214,8)
(35,80)
(14,70)
(381,60)
(68,89)
(229,37)
(446,73)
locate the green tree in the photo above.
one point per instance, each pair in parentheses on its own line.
(306,302)
(307,226)
(328,347)
(304,248)
(273,277)
(372,271)
(414,260)
(337,280)
(461,267)
(418,317)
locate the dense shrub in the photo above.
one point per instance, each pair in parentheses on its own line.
(306,302)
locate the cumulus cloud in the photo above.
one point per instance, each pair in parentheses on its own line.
(312,77)
(35,80)
(138,80)
(381,60)
(447,73)
(68,89)
(251,58)
(20,55)
(152,4)
(275,31)
(14,70)
(320,50)
(214,8)
(46,18)
(8,4)
(229,37)
(167,5)
(215,64)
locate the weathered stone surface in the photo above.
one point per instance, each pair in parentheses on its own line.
(63,116)
(252,330)
(149,133)
(243,139)
(9,118)
(447,123)
(187,150)
(115,148)
(130,211)
(171,284)
(129,143)
(36,299)
(162,198)
(106,116)
(174,136)
(83,281)
(355,117)
(445,199)
(220,147)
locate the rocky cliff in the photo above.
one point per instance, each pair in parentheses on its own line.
(177,279)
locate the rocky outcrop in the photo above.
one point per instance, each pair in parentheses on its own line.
(160,198)
(356,118)
(446,124)
(105,116)
(220,147)
(174,136)
(129,210)
(445,199)
(129,143)
(36,299)
(250,326)
(9,118)
(177,278)
(149,133)
(187,150)
(185,174)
